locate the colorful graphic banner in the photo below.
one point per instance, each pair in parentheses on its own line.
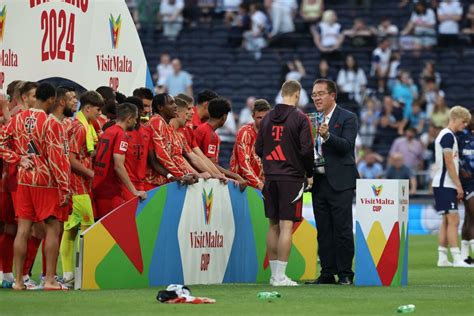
(381,232)
(207,233)
(93,43)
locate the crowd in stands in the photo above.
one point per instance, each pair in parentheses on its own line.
(388,99)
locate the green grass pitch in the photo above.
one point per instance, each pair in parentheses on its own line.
(434,291)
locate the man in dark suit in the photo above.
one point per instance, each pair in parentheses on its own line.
(334,185)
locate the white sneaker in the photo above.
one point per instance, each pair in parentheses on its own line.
(286,281)
(444,263)
(462,264)
(272,280)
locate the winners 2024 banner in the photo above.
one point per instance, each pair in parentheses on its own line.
(91,42)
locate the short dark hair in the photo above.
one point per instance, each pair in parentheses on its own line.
(92,98)
(125,110)
(160,100)
(106,92)
(137,101)
(184,97)
(27,86)
(110,110)
(206,95)
(331,85)
(261,105)
(143,93)
(120,97)
(218,107)
(45,91)
(62,90)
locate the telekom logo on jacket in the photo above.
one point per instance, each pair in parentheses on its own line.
(277,153)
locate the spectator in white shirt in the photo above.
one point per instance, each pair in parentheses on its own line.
(179,81)
(172,17)
(449,16)
(245,115)
(296,72)
(422,24)
(255,38)
(381,62)
(327,36)
(387,29)
(282,13)
(352,80)
(164,69)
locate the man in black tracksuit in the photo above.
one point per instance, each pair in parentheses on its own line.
(285,144)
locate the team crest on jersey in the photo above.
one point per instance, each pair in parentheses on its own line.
(30,123)
(123,146)
(211,149)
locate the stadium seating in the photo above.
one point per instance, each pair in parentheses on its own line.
(234,73)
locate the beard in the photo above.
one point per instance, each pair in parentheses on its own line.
(68,112)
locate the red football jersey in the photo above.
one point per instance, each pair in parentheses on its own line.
(33,133)
(208,140)
(195,121)
(99,124)
(77,145)
(244,161)
(106,183)
(179,148)
(188,133)
(162,134)
(139,143)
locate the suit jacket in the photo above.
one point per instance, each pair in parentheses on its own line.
(338,150)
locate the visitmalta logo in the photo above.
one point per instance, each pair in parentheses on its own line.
(115,25)
(377,189)
(3,20)
(207,199)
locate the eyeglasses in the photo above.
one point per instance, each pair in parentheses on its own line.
(319,94)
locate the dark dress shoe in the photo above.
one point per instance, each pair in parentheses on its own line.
(345,281)
(323,280)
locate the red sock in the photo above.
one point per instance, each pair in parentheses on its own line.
(7,252)
(32,250)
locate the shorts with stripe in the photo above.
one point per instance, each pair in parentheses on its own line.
(283,200)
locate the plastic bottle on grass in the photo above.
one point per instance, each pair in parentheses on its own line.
(268,295)
(406,308)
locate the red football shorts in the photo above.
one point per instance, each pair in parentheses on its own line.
(37,203)
(7,211)
(104,206)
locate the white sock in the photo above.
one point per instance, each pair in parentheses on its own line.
(442,253)
(464,249)
(68,276)
(273,267)
(25,277)
(281,269)
(8,277)
(1,276)
(472,245)
(456,253)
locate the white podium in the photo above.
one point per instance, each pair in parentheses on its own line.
(381,217)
